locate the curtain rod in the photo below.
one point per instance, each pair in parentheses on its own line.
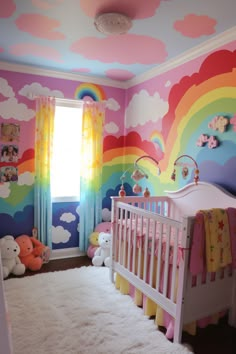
(69,100)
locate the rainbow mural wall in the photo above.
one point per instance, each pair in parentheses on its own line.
(193,104)
(90,91)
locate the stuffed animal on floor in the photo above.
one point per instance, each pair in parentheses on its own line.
(10,251)
(32,252)
(104,226)
(93,244)
(102,254)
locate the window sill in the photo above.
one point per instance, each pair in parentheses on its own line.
(65,199)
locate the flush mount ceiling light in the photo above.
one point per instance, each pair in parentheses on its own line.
(112,23)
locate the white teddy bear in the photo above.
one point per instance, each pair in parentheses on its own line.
(102,253)
(11,263)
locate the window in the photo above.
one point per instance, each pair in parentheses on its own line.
(65,173)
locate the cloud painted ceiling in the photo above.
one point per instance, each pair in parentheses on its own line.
(60,34)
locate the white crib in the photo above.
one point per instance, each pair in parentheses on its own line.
(152,235)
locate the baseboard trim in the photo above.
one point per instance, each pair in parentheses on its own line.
(66,253)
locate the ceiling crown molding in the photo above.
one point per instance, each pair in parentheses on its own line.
(27,69)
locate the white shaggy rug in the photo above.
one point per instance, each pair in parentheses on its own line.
(79,311)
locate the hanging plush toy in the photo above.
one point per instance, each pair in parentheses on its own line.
(185,168)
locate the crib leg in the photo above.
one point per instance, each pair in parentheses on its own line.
(177,332)
(232,310)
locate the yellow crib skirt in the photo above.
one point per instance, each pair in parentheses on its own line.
(151,308)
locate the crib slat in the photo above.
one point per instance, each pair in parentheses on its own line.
(166,264)
(140,248)
(174,265)
(159,252)
(124,238)
(152,252)
(129,242)
(120,235)
(115,230)
(134,243)
(146,252)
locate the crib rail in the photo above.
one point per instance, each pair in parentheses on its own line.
(146,246)
(160,205)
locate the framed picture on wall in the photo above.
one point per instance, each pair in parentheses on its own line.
(10,132)
(9,153)
(8,174)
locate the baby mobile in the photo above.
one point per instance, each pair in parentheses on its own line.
(137,175)
(181,161)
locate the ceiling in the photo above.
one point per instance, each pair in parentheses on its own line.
(60,35)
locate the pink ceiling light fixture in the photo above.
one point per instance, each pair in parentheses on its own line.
(112,23)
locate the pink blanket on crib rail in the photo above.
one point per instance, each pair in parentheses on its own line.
(219,250)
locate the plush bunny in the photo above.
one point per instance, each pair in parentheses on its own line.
(102,254)
(11,263)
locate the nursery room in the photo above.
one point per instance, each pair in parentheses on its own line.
(117,188)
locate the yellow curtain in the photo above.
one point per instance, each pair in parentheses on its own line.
(91,161)
(45,112)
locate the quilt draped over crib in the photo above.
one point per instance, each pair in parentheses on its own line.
(213,240)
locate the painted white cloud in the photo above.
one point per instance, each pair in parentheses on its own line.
(106,214)
(112,104)
(144,108)
(78,227)
(67,217)
(77,210)
(60,235)
(5,89)
(111,128)
(5,190)
(26,178)
(168,83)
(12,109)
(36,89)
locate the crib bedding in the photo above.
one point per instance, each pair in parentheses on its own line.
(149,234)
(152,257)
(213,244)
(214,235)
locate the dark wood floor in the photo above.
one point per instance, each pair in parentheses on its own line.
(215,339)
